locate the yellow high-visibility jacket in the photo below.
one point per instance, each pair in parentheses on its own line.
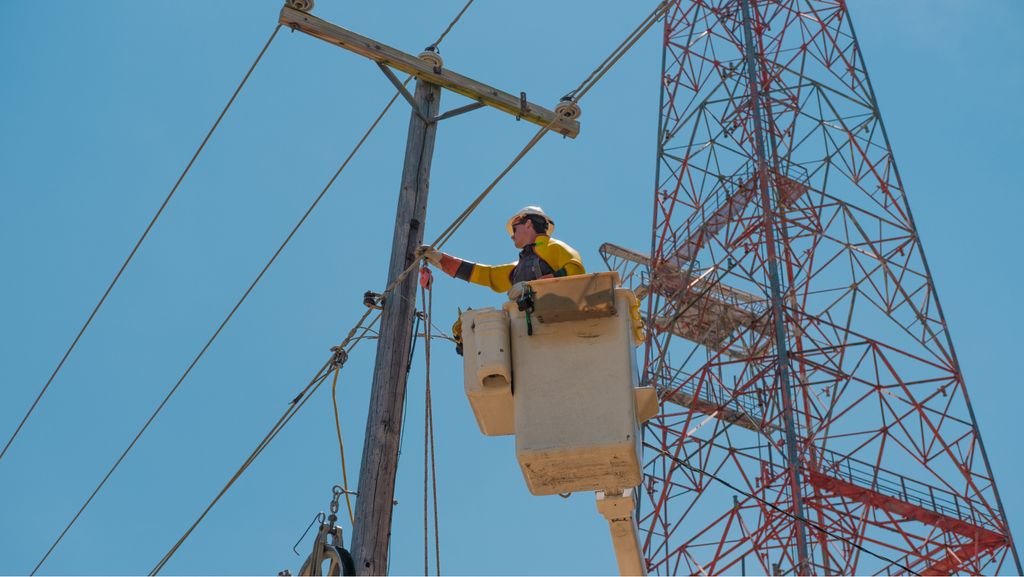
(562,258)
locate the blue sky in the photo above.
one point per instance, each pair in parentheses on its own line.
(102,106)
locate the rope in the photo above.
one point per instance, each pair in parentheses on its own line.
(427,297)
(138,243)
(293,408)
(405,398)
(778,509)
(341,444)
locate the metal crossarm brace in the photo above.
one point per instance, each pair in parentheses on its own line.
(403,91)
(386,55)
(457,111)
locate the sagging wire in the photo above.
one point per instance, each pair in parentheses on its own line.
(138,244)
(220,328)
(293,408)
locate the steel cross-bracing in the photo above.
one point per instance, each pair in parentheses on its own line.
(814,416)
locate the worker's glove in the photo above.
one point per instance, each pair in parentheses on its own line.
(517,291)
(457,333)
(431,254)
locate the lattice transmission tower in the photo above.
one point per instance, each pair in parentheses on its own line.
(814,416)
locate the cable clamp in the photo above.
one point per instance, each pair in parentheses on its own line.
(373,300)
(339,358)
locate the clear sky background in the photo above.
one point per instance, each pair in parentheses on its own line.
(103,104)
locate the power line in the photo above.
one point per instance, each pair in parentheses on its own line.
(138,243)
(223,324)
(335,363)
(452,23)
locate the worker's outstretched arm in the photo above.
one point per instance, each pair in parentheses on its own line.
(494,277)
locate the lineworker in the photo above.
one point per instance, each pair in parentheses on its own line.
(540,256)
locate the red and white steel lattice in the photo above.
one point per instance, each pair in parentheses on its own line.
(814,416)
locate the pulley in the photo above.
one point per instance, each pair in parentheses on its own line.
(329,546)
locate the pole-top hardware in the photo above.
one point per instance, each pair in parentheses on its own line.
(431,56)
(329,545)
(426,67)
(300,5)
(568,109)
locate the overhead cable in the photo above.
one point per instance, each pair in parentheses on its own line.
(224,323)
(293,408)
(138,243)
(576,94)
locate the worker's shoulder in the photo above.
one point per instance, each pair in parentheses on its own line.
(555,244)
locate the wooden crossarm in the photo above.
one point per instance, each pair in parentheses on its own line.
(379,52)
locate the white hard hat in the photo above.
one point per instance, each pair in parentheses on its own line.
(530,211)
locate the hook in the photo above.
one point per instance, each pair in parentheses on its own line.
(319,517)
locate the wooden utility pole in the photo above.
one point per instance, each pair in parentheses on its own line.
(372,531)
(383,426)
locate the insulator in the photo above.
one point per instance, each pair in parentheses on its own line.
(301,5)
(568,109)
(432,58)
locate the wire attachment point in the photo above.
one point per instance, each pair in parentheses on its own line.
(300,5)
(340,357)
(432,56)
(568,109)
(373,300)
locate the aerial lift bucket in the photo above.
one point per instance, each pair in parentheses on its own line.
(556,367)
